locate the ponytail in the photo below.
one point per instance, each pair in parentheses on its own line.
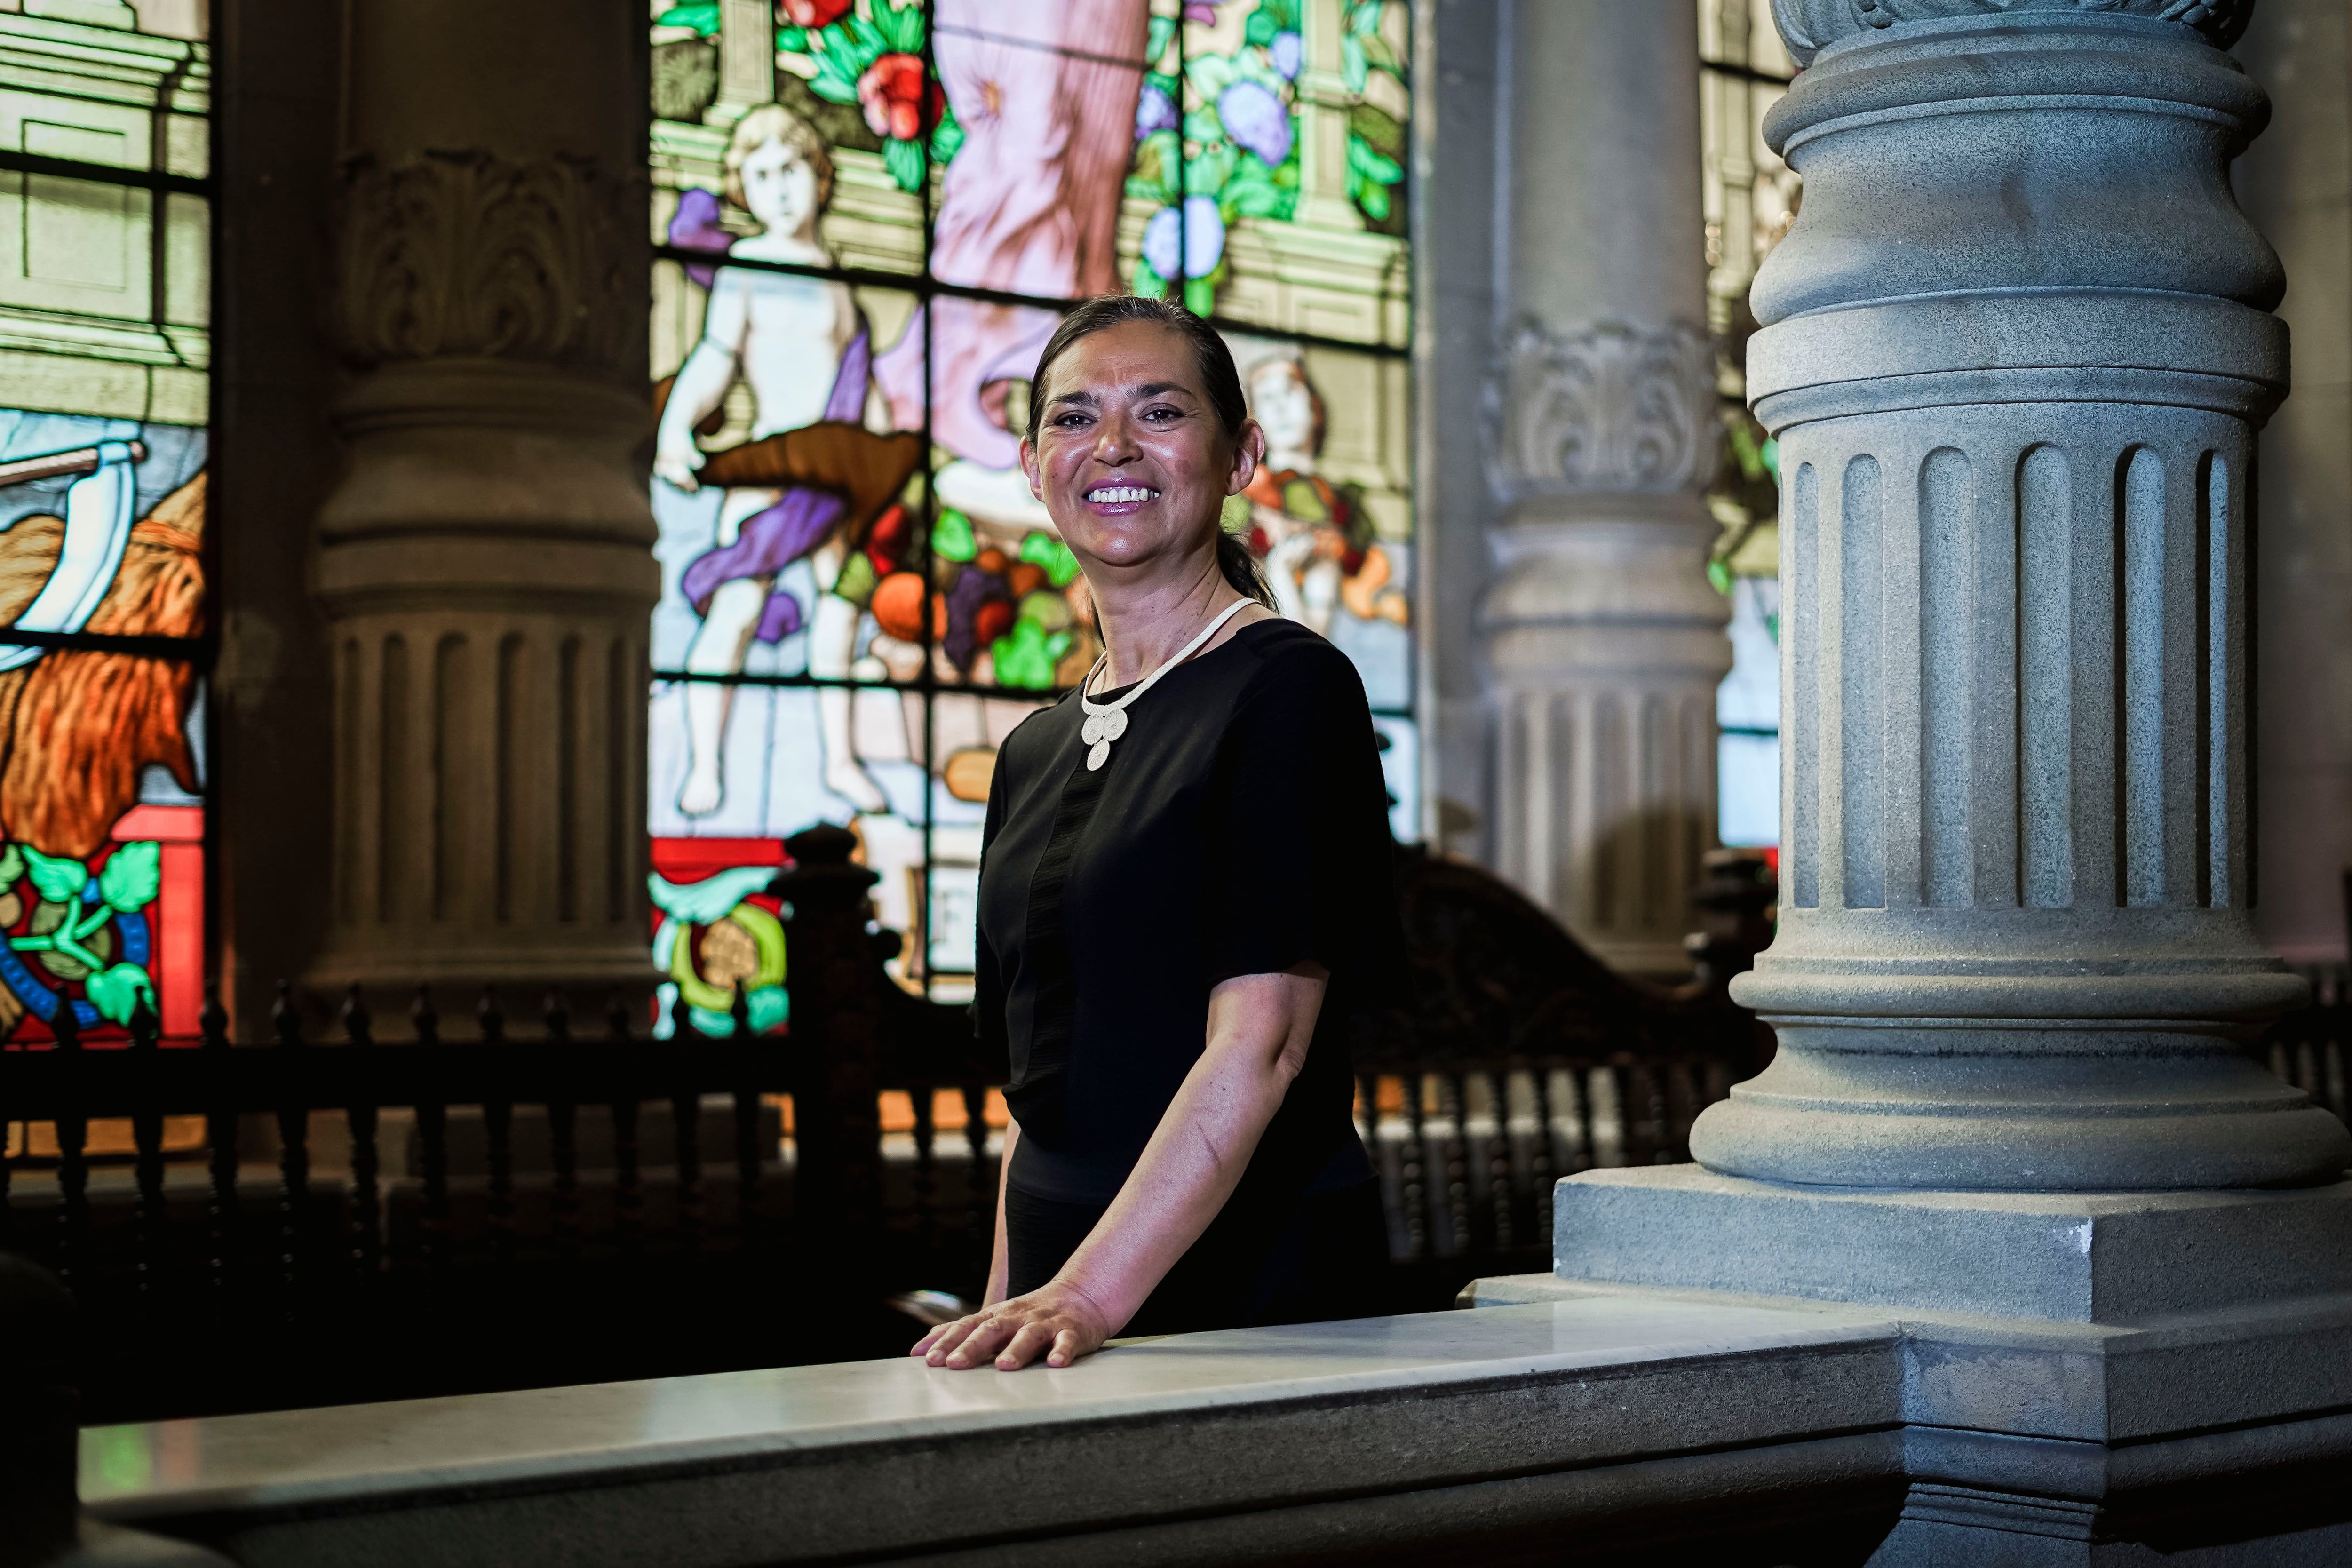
(1241,569)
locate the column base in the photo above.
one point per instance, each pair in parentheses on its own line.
(2085,1378)
(2074,1258)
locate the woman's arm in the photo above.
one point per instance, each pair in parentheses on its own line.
(999,1257)
(1259,1026)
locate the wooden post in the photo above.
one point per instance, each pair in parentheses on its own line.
(835,983)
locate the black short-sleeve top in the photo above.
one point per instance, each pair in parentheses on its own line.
(1239,826)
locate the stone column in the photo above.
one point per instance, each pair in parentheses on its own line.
(1604,641)
(486,561)
(2015,352)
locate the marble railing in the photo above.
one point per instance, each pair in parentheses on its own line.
(1619,1424)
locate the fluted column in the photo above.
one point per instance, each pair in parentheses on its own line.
(2015,350)
(1603,642)
(487,560)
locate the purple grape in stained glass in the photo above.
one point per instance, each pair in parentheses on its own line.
(1197,231)
(1256,119)
(1155,110)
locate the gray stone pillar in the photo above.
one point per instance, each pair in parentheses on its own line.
(1603,642)
(486,561)
(2015,352)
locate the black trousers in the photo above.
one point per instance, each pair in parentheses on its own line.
(1315,1258)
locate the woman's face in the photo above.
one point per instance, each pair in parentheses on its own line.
(779,187)
(1131,458)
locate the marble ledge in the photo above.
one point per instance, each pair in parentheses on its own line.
(877,1458)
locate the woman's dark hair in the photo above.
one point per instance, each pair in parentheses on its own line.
(1218,377)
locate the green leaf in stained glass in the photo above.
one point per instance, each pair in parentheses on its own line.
(132,876)
(1204,126)
(1260,28)
(1374,200)
(1370,164)
(58,880)
(1199,296)
(1378,55)
(1251,192)
(905,161)
(1379,129)
(1205,174)
(1147,283)
(1354,69)
(1284,12)
(1025,656)
(12,866)
(831,85)
(947,136)
(702,15)
(711,899)
(115,992)
(901,26)
(952,540)
(1210,75)
(1045,550)
(1162,33)
(792,40)
(1154,176)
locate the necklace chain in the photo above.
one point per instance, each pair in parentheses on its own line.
(1107,721)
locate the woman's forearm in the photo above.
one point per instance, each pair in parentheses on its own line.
(999,1257)
(1259,1026)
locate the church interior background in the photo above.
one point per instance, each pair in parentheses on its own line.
(476,480)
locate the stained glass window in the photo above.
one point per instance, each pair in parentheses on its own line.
(105,251)
(869,215)
(1750,198)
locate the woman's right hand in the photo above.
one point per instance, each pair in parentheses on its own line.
(1056,1319)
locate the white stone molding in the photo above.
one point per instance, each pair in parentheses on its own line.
(1809,26)
(2015,352)
(1613,408)
(469,254)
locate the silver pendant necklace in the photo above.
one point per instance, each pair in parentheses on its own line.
(1107,721)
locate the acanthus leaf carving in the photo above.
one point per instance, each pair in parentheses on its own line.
(1609,408)
(1807,26)
(468,254)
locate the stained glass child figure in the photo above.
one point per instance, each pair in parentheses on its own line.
(1314,537)
(809,478)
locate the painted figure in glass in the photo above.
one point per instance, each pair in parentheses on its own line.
(1314,537)
(810,480)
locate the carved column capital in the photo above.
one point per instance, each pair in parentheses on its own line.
(1613,408)
(468,254)
(486,571)
(1808,26)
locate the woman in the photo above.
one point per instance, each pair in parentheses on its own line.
(1184,894)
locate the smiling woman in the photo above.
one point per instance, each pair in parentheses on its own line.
(1176,931)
